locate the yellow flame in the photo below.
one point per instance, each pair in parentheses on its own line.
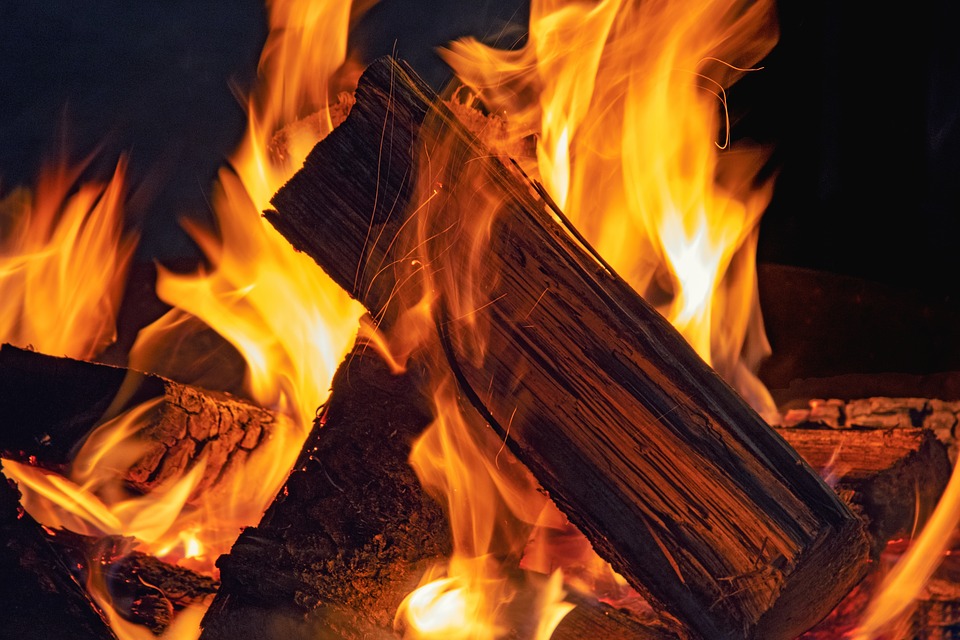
(292,324)
(624,100)
(903,585)
(63,262)
(94,500)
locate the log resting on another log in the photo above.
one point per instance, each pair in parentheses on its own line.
(351,533)
(673,478)
(49,405)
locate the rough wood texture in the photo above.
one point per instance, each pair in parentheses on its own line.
(143,589)
(893,477)
(677,483)
(41,599)
(352,531)
(349,534)
(49,405)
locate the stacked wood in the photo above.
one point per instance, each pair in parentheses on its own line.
(942,417)
(682,487)
(352,531)
(41,598)
(50,405)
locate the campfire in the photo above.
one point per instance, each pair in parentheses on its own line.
(473,364)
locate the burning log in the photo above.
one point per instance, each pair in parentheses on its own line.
(352,531)
(893,477)
(142,588)
(41,599)
(675,480)
(50,406)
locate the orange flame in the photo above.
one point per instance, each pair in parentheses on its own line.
(623,98)
(63,262)
(291,323)
(903,585)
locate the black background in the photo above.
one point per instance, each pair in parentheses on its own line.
(860,104)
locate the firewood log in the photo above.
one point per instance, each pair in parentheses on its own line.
(49,405)
(675,480)
(142,588)
(352,531)
(893,477)
(41,598)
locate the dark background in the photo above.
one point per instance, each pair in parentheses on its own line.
(860,104)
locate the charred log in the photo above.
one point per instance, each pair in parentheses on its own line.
(679,484)
(41,598)
(50,405)
(142,588)
(352,531)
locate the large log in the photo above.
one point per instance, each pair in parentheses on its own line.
(50,405)
(352,531)
(682,487)
(41,598)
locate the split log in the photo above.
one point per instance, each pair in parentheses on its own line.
(352,531)
(49,405)
(893,477)
(674,479)
(41,599)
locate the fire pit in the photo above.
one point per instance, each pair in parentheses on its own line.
(482,364)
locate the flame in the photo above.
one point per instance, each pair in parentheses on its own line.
(94,501)
(624,101)
(63,262)
(291,323)
(903,585)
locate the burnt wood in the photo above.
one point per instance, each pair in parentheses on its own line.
(41,598)
(49,405)
(675,480)
(351,532)
(893,477)
(143,588)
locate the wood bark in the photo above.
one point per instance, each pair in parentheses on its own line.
(352,531)
(41,599)
(49,405)
(142,588)
(682,487)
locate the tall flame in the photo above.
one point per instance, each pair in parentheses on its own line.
(625,100)
(63,261)
(292,324)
